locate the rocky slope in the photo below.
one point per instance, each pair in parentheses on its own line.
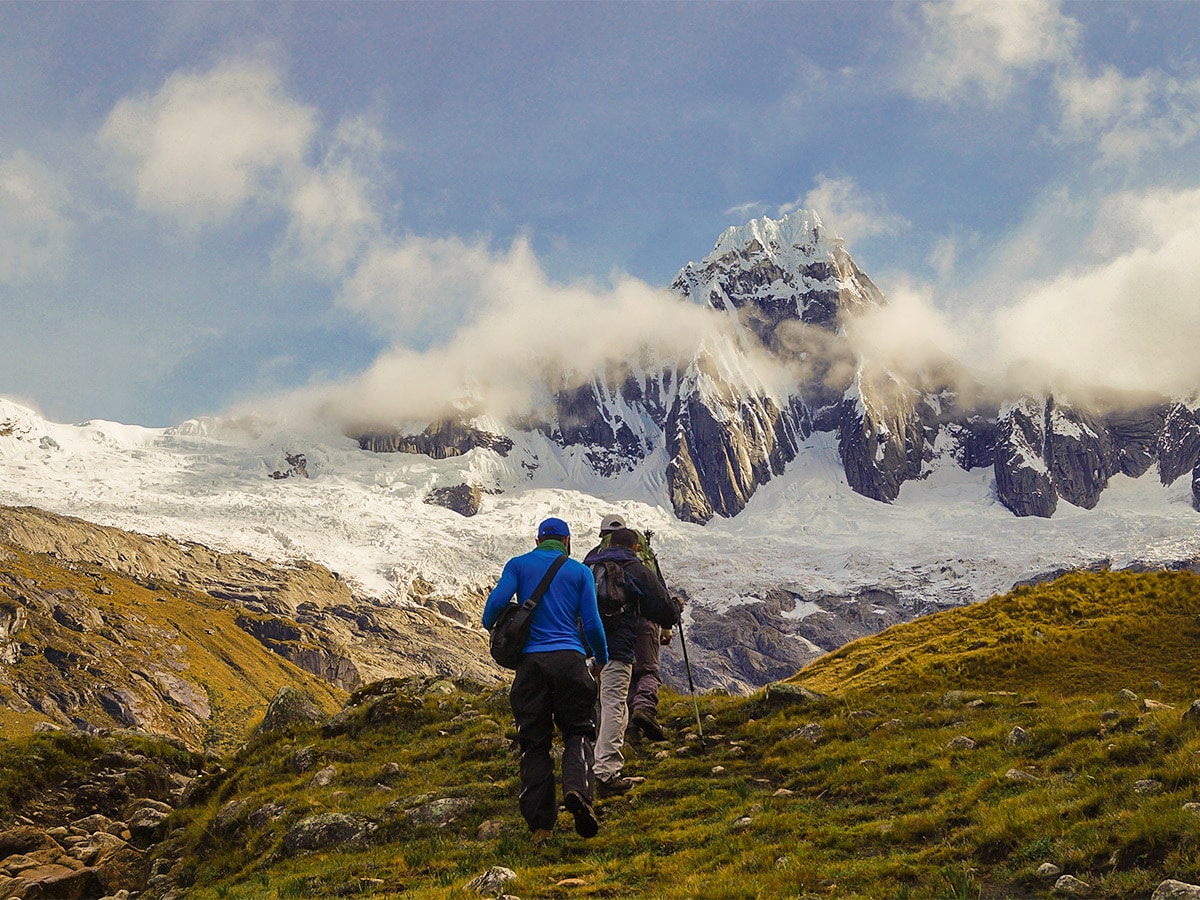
(101,627)
(85,649)
(790,288)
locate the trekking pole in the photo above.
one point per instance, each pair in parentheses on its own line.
(687,664)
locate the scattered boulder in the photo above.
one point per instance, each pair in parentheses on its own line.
(1148,705)
(1018,737)
(287,708)
(1018,775)
(303,760)
(229,817)
(962,742)
(325,777)
(1192,714)
(1147,787)
(489,829)
(492,882)
(1070,886)
(1176,890)
(439,813)
(325,830)
(265,814)
(813,732)
(1048,870)
(957,698)
(25,839)
(148,823)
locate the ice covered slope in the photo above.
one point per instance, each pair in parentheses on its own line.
(365,515)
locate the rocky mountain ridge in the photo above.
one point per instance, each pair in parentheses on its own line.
(103,628)
(790,287)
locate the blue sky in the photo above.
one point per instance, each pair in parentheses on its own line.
(211,205)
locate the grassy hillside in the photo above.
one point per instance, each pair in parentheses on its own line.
(83,645)
(949,757)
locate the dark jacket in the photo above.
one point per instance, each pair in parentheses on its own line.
(650,599)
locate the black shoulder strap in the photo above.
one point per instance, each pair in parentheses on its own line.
(540,591)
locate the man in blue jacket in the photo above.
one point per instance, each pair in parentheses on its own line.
(553,683)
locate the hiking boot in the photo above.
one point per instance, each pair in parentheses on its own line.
(541,836)
(648,725)
(586,823)
(612,787)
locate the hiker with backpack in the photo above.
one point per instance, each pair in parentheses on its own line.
(645,681)
(552,682)
(626,590)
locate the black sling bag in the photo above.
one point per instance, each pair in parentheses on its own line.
(510,633)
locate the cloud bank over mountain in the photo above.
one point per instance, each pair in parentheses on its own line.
(220,220)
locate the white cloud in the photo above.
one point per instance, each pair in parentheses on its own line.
(1128,322)
(333,214)
(505,331)
(1129,116)
(943,258)
(848,210)
(34,230)
(908,334)
(206,144)
(981,46)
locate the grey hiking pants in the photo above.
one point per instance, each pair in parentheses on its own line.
(644,684)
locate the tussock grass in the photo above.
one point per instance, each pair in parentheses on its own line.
(862,794)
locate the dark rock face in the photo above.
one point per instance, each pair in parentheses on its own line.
(1178,442)
(881,451)
(1023,482)
(588,416)
(1080,455)
(308,647)
(756,643)
(297,467)
(1135,435)
(440,440)
(974,440)
(722,446)
(463,499)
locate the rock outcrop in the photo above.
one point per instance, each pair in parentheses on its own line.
(445,438)
(463,499)
(1023,482)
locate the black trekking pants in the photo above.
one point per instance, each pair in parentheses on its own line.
(553,688)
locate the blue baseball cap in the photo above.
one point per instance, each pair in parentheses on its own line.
(553,527)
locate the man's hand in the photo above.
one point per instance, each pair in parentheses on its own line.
(664,638)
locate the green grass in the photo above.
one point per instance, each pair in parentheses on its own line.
(880,805)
